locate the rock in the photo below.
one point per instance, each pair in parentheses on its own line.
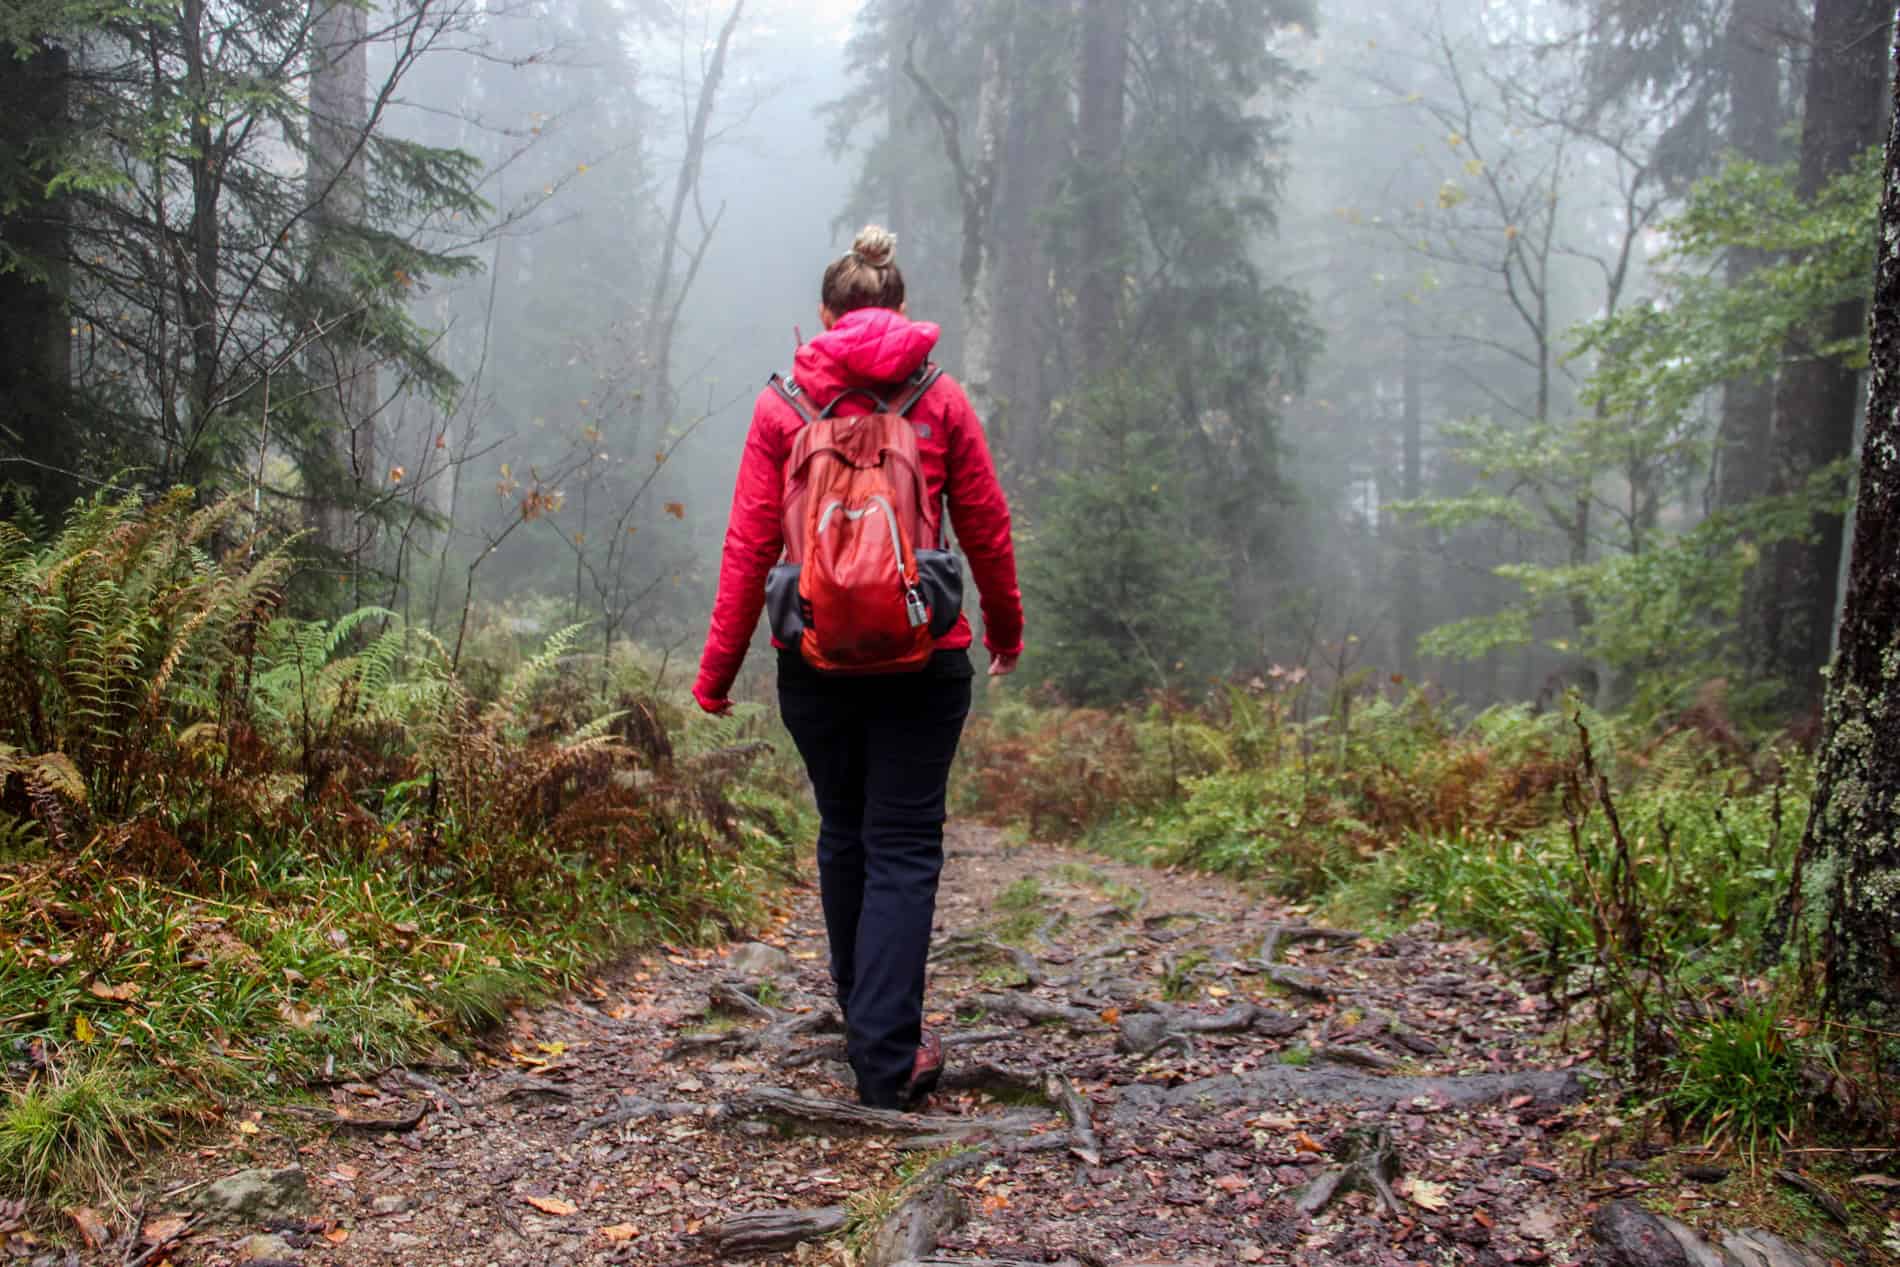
(756,959)
(1633,1237)
(265,1249)
(392,1203)
(1539,1223)
(252,1194)
(1143,1032)
(407,1240)
(1752,1248)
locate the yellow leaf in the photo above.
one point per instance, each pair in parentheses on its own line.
(552,1205)
(82,1029)
(1429,1196)
(247,1128)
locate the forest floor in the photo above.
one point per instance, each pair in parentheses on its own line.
(1144,1067)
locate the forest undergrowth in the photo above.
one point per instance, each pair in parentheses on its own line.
(242,853)
(1645,868)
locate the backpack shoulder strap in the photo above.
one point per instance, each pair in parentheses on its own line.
(919,383)
(788,390)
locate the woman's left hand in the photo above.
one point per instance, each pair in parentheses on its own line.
(1002,665)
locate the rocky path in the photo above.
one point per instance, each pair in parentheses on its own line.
(1144,1068)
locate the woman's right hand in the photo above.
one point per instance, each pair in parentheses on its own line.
(1002,665)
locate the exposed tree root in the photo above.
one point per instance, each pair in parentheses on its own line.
(1001,1080)
(1354,1056)
(1038,1011)
(1369,1162)
(929,1208)
(628,1109)
(1283,1083)
(1076,1108)
(770,1231)
(836,1117)
(1145,1032)
(1281,935)
(779,1030)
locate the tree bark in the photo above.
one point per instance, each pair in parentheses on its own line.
(341,369)
(1102,118)
(1755,117)
(1407,589)
(1816,400)
(1852,844)
(36,430)
(1024,303)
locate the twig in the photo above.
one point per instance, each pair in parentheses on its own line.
(160,1246)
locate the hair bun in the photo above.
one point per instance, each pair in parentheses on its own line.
(875,245)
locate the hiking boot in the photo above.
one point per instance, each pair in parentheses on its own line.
(926,1069)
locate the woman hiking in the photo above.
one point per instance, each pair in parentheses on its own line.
(877,728)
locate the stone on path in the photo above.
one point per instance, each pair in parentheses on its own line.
(756,959)
(1633,1237)
(253,1194)
(263,1249)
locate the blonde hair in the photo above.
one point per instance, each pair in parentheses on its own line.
(866,276)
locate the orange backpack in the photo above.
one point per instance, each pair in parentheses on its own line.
(858,591)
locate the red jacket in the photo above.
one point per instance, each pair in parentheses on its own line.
(875,348)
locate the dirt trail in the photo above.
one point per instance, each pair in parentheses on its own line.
(1145,1068)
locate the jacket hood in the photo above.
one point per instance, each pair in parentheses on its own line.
(863,348)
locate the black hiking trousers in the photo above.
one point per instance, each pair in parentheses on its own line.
(878,750)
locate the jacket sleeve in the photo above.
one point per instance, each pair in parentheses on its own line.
(980,514)
(754,542)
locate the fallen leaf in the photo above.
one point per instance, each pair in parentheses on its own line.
(1307,1144)
(552,1205)
(82,1029)
(1429,1196)
(1483,1220)
(1231,1183)
(122,993)
(676,509)
(1111,1016)
(336,1235)
(1877,1181)
(166,1227)
(619,1232)
(247,1128)
(92,1228)
(299,1017)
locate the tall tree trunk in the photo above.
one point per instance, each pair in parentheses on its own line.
(36,429)
(342,370)
(1753,72)
(1816,400)
(1023,307)
(1407,589)
(1852,845)
(1102,117)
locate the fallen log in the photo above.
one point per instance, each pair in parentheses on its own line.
(771,1231)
